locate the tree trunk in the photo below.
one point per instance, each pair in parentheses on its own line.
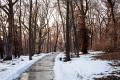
(30,33)
(48,37)
(10,38)
(111,16)
(1,48)
(67,43)
(83,29)
(39,45)
(20,34)
(75,33)
(56,37)
(84,35)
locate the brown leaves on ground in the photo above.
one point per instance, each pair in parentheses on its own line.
(109,56)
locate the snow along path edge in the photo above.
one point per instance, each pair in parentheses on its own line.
(14,71)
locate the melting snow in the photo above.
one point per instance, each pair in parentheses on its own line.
(83,68)
(10,70)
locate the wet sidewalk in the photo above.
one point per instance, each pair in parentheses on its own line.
(41,70)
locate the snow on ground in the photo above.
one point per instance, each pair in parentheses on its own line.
(83,68)
(95,52)
(10,70)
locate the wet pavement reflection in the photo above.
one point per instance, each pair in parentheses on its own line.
(42,70)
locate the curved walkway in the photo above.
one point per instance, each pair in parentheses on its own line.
(41,70)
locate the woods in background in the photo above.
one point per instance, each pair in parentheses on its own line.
(35,26)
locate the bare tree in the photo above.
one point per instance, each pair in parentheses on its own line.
(20,29)
(111,19)
(30,33)
(83,29)
(8,9)
(67,42)
(74,28)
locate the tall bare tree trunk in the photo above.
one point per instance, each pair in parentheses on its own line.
(10,37)
(30,33)
(56,37)
(48,40)
(1,49)
(67,42)
(83,29)
(20,34)
(10,45)
(35,26)
(74,28)
(40,43)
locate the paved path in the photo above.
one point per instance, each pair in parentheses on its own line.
(41,70)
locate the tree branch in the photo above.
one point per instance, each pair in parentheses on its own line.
(15,2)
(87,2)
(4,7)
(5,11)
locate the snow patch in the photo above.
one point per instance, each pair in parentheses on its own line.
(83,68)
(10,70)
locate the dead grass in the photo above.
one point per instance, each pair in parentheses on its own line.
(108,56)
(109,78)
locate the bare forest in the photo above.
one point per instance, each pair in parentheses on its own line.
(29,27)
(61,39)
